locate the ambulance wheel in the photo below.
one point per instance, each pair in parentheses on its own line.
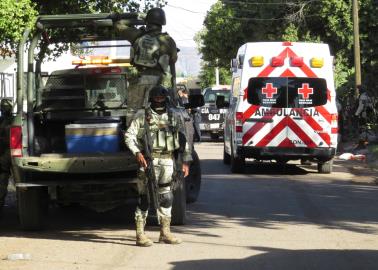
(325,167)
(237,163)
(193,180)
(32,206)
(179,205)
(226,157)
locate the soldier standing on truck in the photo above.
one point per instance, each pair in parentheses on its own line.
(6,119)
(165,128)
(152,54)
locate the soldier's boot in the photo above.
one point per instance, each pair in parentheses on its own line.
(141,238)
(165,232)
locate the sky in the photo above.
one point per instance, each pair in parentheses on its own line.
(185,19)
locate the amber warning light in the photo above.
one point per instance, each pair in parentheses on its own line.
(102,61)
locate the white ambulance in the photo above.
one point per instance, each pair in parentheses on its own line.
(283,105)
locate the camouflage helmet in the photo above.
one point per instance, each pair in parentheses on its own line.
(156,16)
(6,105)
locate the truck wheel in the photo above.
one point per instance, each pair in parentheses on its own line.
(32,204)
(325,167)
(179,205)
(226,157)
(193,180)
(214,136)
(237,163)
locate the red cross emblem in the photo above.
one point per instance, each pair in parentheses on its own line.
(269,90)
(305,91)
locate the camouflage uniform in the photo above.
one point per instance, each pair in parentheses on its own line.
(6,119)
(363,112)
(165,129)
(152,53)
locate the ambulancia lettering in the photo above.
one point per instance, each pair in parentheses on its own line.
(286,112)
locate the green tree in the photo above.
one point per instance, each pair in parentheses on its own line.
(230,24)
(16,15)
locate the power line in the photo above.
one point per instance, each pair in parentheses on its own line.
(188,10)
(267,4)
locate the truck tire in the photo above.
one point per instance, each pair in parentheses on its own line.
(226,157)
(325,167)
(32,205)
(179,205)
(193,180)
(237,163)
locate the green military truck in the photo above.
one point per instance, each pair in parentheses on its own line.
(67,141)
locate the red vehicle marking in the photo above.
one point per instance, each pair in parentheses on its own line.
(249,112)
(300,133)
(286,144)
(272,134)
(259,125)
(323,111)
(314,125)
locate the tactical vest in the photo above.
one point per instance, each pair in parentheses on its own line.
(145,51)
(164,133)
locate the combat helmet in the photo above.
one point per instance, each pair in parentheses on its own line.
(156,16)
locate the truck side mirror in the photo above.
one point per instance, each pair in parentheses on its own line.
(221,102)
(234,65)
(195,101)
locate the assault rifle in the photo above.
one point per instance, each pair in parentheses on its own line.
(150,170)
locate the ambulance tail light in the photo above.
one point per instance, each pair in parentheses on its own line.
(256,61)
(317,62)
(334,119)
(16,141)
(239,122)
(296,61)
(277,61)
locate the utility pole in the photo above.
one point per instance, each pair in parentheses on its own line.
(217,75)
(356,35)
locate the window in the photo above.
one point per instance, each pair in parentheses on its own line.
(287,92)
(211,95)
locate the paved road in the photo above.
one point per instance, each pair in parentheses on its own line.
(268,218)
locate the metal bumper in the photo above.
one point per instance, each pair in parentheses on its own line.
(211,127)
(320,153)
(56,169)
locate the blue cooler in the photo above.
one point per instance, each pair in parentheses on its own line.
(92,138)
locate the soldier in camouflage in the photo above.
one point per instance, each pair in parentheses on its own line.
(152,53)
(5,160)
(165,127)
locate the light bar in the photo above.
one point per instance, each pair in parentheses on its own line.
(101,61)
(256,61)
(317,62)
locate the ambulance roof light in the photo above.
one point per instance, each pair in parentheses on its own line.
(317,62)
(256,61)
(296,61)
(277,61)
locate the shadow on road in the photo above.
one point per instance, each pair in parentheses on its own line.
(284,259)
(268,194)
(76,224)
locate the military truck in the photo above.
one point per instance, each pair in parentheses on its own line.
(67,141)
(212,118)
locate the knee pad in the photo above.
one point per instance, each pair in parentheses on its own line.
(143,202)
(166,199)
